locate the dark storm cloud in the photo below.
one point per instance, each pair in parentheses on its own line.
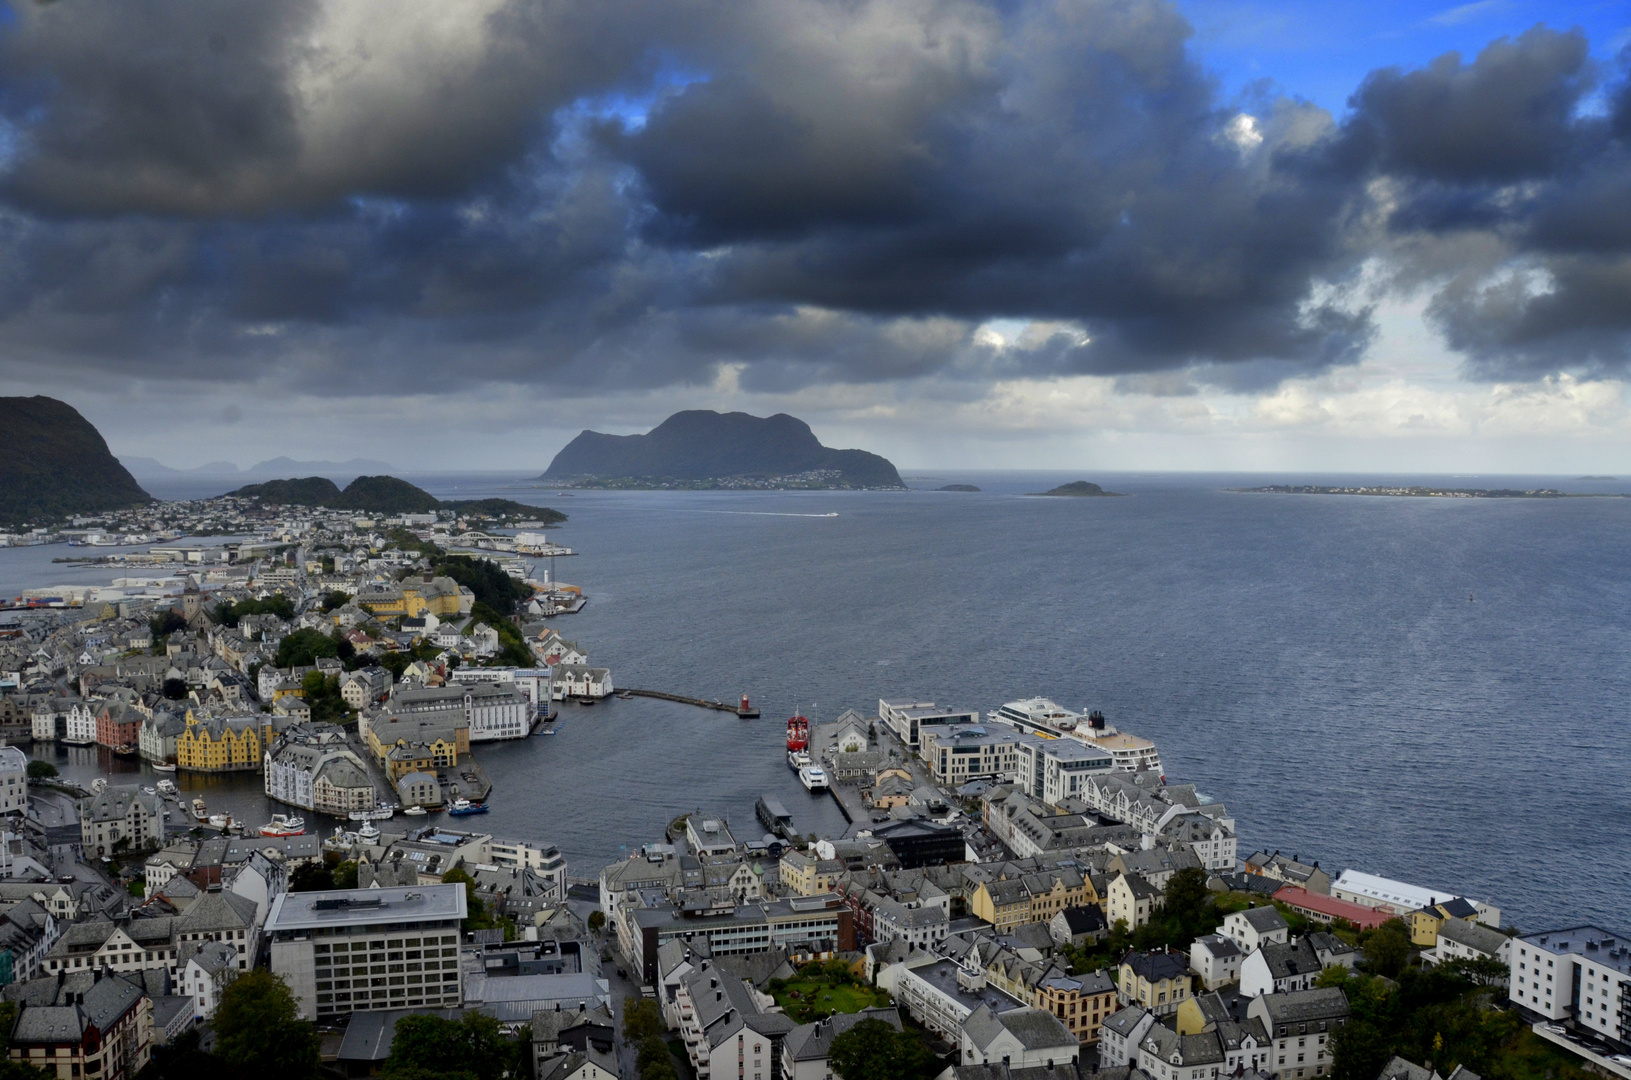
(172,107)
(630,194)
(1506,165)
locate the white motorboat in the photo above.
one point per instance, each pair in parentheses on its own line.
(168,787)
(797,759)
(99,785)
(164,766)
(368,834)
(814,778)
(414,811)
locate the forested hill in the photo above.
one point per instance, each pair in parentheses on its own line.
(704,448)
(55,464)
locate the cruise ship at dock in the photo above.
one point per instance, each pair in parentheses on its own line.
(1046,718)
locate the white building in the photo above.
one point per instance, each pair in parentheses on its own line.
(1461,939)
(1401,898)
(118,818)
(1299,1028)
(13,781)
(314,772)
(1582,973)
(1054,770)
(206,971)
(1279,968)
(1018,1038)
(325,944)
(1251,928)
(1120,1036)
(494,710)
(581,681)
(79,726)
(919,925)
(1215,960)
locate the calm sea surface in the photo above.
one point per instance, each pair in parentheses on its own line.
(1432,689)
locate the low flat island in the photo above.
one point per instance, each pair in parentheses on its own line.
(1422,492)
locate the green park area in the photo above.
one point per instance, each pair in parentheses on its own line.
(820,990)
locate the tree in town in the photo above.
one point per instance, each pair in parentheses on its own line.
(654,1061)
(1387,948)
(258,1030)
(174,689)
(472,1048)
(874,1050)
(641,1018)
(305,647)
(41,770)
(311,877)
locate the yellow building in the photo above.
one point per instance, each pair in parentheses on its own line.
(288,688)
(1130,900)
(441,596)
(803,874)
(222,744)
(1081,1002)
(1003,904)
(427,742)
(1425,922)
(1158,981)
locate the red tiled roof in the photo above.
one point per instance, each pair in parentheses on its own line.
(1361,916)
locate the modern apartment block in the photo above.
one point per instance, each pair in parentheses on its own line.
(355,950)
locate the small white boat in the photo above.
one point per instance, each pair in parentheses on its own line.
(797,759)
(414,811)
(200,811)
(368,834)
(164,766)
(221,821)
(814,778)
(149,791)
(168,787)
(99,785)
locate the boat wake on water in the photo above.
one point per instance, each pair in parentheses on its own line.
(744,513)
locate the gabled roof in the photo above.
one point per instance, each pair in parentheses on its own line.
(813,1042)
(1265,920)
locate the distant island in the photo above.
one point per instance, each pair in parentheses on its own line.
(386,495)
(1596,478)
(958,487)
(146,468)
(701,449)
(1417,492)
(1078,489)
(56,465)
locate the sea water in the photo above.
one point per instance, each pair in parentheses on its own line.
(1433,689)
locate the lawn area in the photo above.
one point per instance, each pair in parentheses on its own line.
(806,1000)
(1530,1057)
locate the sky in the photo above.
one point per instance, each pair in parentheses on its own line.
(1046,234)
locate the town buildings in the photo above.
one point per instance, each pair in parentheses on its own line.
(120,818)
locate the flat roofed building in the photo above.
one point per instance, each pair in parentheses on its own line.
(1582,973)
(1053,770)
(356,950)
(907,719)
